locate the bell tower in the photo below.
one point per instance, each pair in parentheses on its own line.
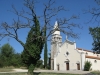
(56,41)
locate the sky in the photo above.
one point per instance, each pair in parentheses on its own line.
(74,7)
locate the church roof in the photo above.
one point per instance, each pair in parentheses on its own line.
(85,50)
(89,56)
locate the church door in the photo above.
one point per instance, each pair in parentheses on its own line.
(58,67)
(53,64)
(67,66)
(78,66)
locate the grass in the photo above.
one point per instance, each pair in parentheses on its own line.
(5,69)
(9,69)
(48,73)
(13,73)
(36,73)
(96,72)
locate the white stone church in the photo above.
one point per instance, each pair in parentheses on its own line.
(65,55)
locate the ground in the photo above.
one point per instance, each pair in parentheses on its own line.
(72,72)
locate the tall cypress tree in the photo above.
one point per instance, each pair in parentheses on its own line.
(45,51)
(33,47)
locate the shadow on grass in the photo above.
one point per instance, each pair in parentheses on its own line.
(50,73)
(19,73)
(37,73)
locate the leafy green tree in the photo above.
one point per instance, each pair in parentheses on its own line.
(87,66)
(16,60)
(6,54)
(8,57)
(33,46)
(39,64)
(95,33)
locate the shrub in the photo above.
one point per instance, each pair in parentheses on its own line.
(87,66)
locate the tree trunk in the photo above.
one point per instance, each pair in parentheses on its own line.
(45,55)
(31,69)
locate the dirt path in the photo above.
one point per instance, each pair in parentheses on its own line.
(72,72)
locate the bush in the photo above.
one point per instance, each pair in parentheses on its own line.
(87,66)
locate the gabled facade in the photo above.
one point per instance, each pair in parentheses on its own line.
(65,56)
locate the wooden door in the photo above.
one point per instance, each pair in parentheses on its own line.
(67,66)
(53,64)
(58,67)
(78,66)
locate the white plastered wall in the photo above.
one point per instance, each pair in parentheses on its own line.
(95,65)
(73,57)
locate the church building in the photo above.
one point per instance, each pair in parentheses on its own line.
(66,56)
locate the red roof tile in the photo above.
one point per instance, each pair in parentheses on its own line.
(84,50)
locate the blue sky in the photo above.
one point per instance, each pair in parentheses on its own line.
(75,7)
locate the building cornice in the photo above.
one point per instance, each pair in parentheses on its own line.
(92,57)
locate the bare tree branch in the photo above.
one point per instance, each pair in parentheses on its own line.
(49,12)
(95,12)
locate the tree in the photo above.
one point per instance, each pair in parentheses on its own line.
(33,47)
(39,64)
(87,66)
(45,51)
(95,33)
(49,61)
(6,55)
(45,55)
(16,60)
(95,12)
(65,24)
(49,11)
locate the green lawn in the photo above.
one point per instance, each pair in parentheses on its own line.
(24,73)
(36,74)
(96,72)
(45,73)
(5,69)
(9,69)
